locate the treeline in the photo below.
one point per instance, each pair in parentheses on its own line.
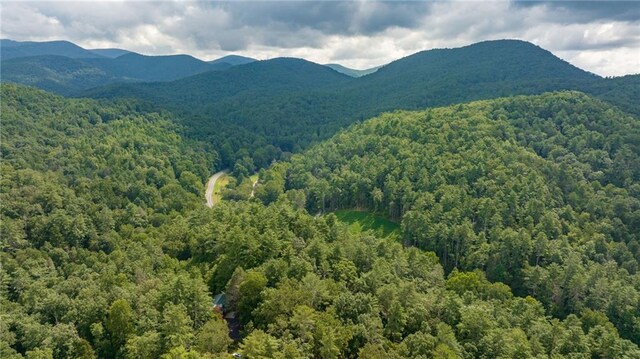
(541,193)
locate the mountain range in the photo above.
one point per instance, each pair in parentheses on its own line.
(65,68)
(68,69)
(291,105)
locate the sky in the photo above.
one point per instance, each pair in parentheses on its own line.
(599,36)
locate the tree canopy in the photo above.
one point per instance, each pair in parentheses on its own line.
(519,222)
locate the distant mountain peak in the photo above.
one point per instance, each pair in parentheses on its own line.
(352,72)
(233,60)
(507,59)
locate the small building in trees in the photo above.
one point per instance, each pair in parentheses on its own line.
(218,302)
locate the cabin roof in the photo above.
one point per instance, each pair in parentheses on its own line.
(219,299)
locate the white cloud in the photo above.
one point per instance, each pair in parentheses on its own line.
(614,62)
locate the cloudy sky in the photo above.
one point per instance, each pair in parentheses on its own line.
(599,36)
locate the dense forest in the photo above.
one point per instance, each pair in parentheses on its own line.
(279,106)
(90,198)
(53,73)
(282,105)
(540,193)
(108,250)
(508,227)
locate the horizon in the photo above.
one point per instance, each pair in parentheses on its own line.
(310,60)
(599,37)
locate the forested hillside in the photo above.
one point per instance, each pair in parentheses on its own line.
(220,107)
(65,68)
(108,250)
(53,73)
(258,78)
(622,91)
(92,204)
(273,103)
(138,67)
(483,70)
(69,76)
(15,49)
(541,193)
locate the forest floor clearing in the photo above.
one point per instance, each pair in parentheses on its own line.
(362,221)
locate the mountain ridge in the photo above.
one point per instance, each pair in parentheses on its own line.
(15,49)
(292,116)
(233,60)
(110,52)
(266,77)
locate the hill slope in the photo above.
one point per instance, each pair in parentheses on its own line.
(68,76)
(221,106)
(267,78)
(291,116)
(233,60)
(155,68)
(623,91)
(111,53)
(58,74)
(540,192)
(99,181)
(67,69)
(487,69)
(10,49)
(108,251)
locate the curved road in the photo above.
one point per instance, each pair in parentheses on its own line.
(208,194)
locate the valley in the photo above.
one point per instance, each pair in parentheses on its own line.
(472,202)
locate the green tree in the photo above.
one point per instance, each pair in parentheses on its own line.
(176,328)
(120,325)
(213,336)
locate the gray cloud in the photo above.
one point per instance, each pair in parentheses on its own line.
(329,17)
(603,37)
(585,11)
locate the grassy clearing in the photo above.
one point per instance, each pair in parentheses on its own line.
(361,221)
(220,184)
(244,188)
